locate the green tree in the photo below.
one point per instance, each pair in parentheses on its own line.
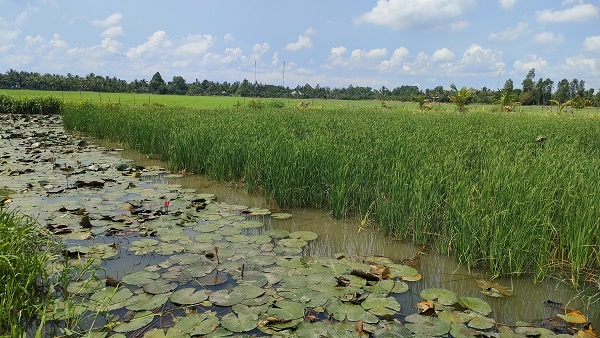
(508,100)
(461,97)
(528,88)
(157,84)
(178,85)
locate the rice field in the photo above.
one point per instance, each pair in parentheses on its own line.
(514,193)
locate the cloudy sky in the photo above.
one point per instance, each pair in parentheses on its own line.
(332,43)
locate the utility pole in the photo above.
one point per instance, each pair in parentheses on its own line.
(283,85)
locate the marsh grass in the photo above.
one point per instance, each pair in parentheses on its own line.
(24,282)
(514,192)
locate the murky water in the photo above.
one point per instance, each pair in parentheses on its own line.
(343,236)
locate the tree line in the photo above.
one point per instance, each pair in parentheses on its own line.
(531,92)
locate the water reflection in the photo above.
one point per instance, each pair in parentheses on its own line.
(342,236)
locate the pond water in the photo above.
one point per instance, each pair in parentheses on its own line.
(342,236)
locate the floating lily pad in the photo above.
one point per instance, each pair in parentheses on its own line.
(198,324)
(292,242)
(277,233)
(427,326)
(281,215)
(381,305)
(146,301)
(143,246)
(493,289)
(240,323)
(287,310)
(189,296)
(140,278)
(444,297)
(248,224)
(304,235)
(140,320)
(478,305)
(172,332)
(109,298)
(159,286)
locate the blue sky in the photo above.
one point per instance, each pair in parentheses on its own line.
(332,43)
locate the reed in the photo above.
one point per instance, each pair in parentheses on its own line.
(512,192)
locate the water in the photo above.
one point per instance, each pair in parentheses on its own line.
(345,236)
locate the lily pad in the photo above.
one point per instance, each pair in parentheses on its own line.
(198,323)
(140,320)
(109,298)
(304,235)
(159,286)
(444,297)
(478,305)
(287,310)
(380,304)
(281,215)
(240,323)
(293,242)
(427,326)
(189,296)
(493,289)
(140,278)
(146,301)
(172,332)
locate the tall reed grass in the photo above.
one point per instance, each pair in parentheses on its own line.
(512,192)
(29,105)
(24,282)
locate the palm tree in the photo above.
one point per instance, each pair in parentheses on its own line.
(461,97)
(508,100)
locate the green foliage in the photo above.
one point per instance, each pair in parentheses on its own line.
(461,97)
(29,105)
(495,197)
(24,283)
(255,104)
(508,100)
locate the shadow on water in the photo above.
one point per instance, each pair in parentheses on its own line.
(342,236)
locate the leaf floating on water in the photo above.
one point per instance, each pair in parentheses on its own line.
(573,317)
(478,305)
(493,289)
(140,320)
(171,333)
(189,296)
(444,297)
(198,323)
(304,235)
(427,326)
(146,301)
(242,323)
(140,278)
(281,215)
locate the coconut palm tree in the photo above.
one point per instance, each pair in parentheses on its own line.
(461,97)
(508,100)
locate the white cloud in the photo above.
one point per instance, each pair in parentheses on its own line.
(111,45)
(336,55)
(157,41)
(57,41)
(228,37)
(578,13)
(112,20)
(529,62)
(507,4)
(592,44)
(195,44)
(377,53)
(260,48)
(30,40)
(477,59)
(303,42)
(400,14)
(511,33)
(442,55)
(585,64)
(9,35)
(549,38)
(398,57)
(112,32)
(275,59)
(231,55)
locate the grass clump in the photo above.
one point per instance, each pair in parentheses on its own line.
(25,253)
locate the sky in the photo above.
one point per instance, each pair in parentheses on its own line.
(333,43)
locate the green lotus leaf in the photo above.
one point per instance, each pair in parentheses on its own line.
(388,286)
(307,297)
(304,235)
(60,310)
(184,259)
(238,239)
(248,224)
(253,278)
(140,277)
(261,239)
(399,270)
(198,323)
(292,242)
(478,305)
(261,260)
(109,298)
(226,298)
(346,311)
(240,323)
(228,232)
(208,227)
(259,211)
(277,233)
(140,320)
(374,302)
(146,301)
(143,246)
(481,323)
(159,286)
(85,286)
(198,270)
(427,326)
(95,335)
(189,296)
(287,310)
(281,215)
(171,333)
(444,297)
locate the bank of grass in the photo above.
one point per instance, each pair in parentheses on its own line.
(512,192)
(24,282)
